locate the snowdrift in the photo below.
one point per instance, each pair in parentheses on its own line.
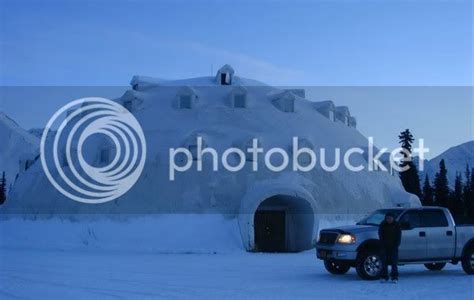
(184,233)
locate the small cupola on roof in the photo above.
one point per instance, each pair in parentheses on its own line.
(298,92)
(343,115)
(284,101)
(225,75)
(326,108)
(186,98)
(143,83)
(352,122)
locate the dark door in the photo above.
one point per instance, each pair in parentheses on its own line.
(270,231)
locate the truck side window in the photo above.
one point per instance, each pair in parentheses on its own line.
(433,218)
(409,220)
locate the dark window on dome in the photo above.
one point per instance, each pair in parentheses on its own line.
(185,102)
(240,101)
(289,105)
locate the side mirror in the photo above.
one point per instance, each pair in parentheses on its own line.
(405,226)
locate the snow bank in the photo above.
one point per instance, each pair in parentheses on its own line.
(166,234)
(186,233)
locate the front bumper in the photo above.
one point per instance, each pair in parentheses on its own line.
(335,253)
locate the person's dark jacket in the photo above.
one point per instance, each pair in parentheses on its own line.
(390,234)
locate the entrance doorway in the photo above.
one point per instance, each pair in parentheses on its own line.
(283,224)
(270,230)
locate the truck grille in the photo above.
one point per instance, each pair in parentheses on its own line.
(328,237)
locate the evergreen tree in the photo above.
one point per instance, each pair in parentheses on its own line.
(466,194)
(3,189)
(427,198)
(456,205)
(470,198)
(441,188)
(410,178)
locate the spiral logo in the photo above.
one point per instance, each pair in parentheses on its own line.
(89,174)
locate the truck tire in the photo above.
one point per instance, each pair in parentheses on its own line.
(337,268)
(369,265)
(467,260)
(435,266)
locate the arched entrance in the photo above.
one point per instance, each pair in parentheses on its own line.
(283,223)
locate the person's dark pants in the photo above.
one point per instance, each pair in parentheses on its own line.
(390,257)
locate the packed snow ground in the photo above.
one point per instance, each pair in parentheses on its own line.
(92,274)
(144,258)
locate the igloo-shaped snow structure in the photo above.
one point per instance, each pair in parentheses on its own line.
(230,111)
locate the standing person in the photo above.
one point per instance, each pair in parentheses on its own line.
(390,235)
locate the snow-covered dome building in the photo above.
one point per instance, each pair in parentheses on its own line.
(229,111)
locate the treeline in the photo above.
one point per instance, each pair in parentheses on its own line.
(459,200)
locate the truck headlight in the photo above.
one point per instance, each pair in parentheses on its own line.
(346,239)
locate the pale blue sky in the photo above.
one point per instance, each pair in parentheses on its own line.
(302,43)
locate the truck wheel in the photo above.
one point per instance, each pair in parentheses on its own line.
(369,265)
(435,266)
(467,260)
(337,268)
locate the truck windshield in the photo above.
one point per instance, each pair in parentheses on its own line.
(378,216)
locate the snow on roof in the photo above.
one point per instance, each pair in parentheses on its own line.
(141,83)
(344,110)
(285,94)
(187,90)
(298,92)
(144,82)
(328,104)
(226,69)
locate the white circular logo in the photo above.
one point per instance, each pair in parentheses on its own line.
(62,150)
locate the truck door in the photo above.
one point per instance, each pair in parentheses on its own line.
(413,244)
(439,235)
